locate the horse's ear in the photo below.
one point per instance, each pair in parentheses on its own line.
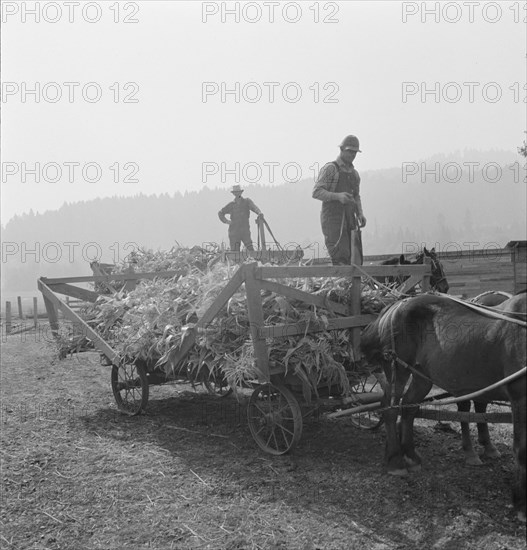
(433,251)
(426,251)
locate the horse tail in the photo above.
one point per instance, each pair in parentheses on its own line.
(378,336)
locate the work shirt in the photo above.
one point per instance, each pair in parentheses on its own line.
(331,181)
(239,212)
(328,179)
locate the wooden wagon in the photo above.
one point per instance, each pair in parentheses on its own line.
(277,404)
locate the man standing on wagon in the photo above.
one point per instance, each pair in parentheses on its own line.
(239,210)
(341,217)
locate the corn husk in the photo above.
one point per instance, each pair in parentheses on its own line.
(148,322)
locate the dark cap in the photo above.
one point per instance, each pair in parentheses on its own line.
(350,143)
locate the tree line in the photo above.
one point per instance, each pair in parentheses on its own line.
(431,210)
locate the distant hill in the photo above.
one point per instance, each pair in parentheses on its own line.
(445,213)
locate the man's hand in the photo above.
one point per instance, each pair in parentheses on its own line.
(345,198)
(362,220)
(260,217)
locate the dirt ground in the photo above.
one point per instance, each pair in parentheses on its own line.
(76,474)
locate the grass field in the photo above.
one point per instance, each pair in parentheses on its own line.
(76,474)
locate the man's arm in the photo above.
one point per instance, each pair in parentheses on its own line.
(253,207)
(325,182)
(225,210)
(325,179)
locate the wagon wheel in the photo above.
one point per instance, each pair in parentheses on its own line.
(215,382)
(130,387)
(217,386)
(275,418)
(367,420)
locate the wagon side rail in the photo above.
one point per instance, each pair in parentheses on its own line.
(256,278)
(51,287)
(350,317)
(54,304)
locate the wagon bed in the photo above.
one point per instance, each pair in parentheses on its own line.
(276,406)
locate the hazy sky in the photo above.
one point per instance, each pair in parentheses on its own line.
(161,78)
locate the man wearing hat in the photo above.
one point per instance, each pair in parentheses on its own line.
(239,210)
(341,217)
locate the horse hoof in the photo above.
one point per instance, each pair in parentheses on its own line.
(401,472)
(521,516)
(474,461)
(494,453)
(412,464)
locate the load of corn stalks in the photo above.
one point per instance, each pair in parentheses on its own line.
(178,259)
(144,324)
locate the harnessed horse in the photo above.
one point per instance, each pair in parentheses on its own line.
(490,298)
(462,348)
(437,279)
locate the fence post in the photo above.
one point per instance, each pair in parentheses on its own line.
(35,311)
(256,321)
(52,316)
(130,284)
(20,312)
(8,325)
(355,310)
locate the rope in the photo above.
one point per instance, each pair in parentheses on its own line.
(489,292)
(342,225)
(341,229)
(469,396)
(271,233)
(378,283)
(263,221)
(489,312)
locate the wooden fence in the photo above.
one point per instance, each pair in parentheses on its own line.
(471,272)
(19,320)
(14,323)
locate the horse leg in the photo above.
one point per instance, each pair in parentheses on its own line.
(483,433)
(519,433)
(393,454)
(471,457)
(416,392)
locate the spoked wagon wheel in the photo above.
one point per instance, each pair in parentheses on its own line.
(130,387)
(367,420)
(275,418)
(216,384)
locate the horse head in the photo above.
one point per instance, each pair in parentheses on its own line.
(438,278)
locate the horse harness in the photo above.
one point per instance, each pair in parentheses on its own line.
(391,356)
